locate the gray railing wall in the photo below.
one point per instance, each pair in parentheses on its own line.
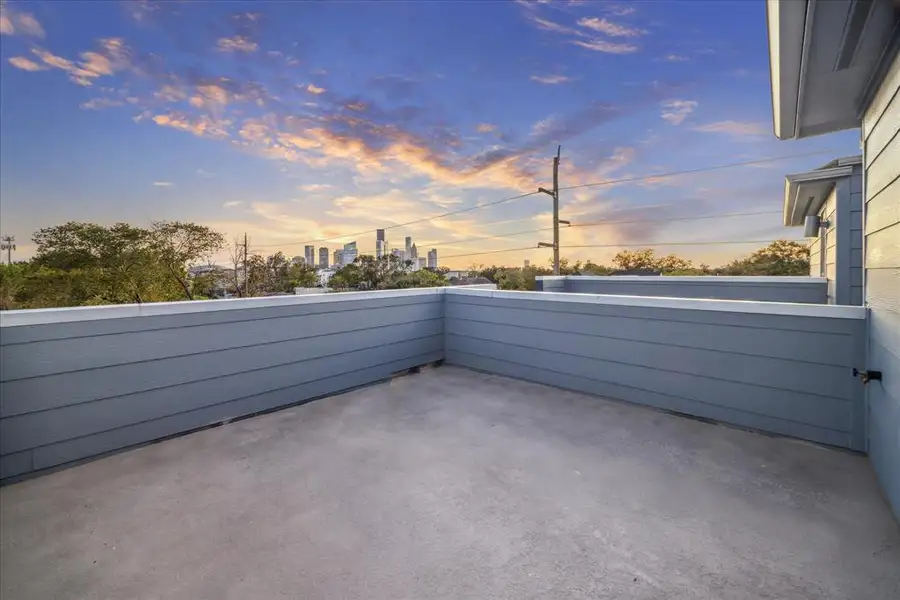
(783,368)
(84,381)
(76,383)
(806,290)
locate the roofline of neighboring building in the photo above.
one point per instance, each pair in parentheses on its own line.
(797,33)
(805,193)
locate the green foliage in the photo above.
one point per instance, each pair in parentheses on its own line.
(781,257)
(387,272)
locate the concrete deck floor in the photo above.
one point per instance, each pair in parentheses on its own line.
(455,484)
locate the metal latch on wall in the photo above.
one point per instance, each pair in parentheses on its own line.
(867,376)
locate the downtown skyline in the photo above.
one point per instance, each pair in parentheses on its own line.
(380,114)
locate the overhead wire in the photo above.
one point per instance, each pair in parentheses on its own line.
(698,170)
(571,187)
(422,220)
(595,224)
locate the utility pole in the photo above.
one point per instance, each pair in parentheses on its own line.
(556,220)
(246,273)
(8,243)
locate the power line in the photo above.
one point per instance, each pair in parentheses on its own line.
(651,245)
(489,252)
(601,223)
(591,224)
(646,245)
(422,220)
(572,187)
(722,216)
(699,170)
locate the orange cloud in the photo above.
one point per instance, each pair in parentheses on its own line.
(734,128)
(20,62)
(14,22)
(237,43)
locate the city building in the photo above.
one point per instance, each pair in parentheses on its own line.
(419,264)
(432,259)
(323,257)
(309,253)
(408,245)
(414,252)
(349,253)
(337,259)
(527,263)
(379,248)
(379,235)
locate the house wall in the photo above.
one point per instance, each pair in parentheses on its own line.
(783,368)
(839,247)
(881,155)
(79,382)
(764,289)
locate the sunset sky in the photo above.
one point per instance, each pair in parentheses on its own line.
(297,121)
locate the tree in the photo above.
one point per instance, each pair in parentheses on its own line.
(178,245)
(781,257)
(635,260)
(119,259)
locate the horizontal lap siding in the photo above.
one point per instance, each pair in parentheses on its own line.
(881,123)
(789,375)
(806,293)
(78,394)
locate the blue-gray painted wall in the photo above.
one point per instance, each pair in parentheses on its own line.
(881,155)
(73,390)
(804,290)
(780,373)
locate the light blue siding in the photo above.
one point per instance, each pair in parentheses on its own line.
(785,374)
(764,289)
(882,279)
(74,390)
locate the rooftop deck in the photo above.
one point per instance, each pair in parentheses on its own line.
(456,484)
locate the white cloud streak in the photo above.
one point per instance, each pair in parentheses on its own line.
(676,111)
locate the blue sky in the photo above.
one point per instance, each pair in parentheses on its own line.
(297,121)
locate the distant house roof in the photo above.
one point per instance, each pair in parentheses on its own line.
(825,60)
(805,193)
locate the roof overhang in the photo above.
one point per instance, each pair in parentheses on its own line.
(805,193)
(823,57)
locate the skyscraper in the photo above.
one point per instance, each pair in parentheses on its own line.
(413,252)
(379,235)
(432,259)
(337,259)
(349,253)
(408,245)
(379,248)
(309,253)
(323,257)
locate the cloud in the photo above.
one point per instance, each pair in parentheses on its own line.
(485,128)
(204,173)
(734,128)
(551,79)
(236,43)
(231,203)
(113,56)
(610,28)
(618,10)
(20,62)
(675,58)
(101,103)
(201,126)
(312,89)
(607,47)
(163,184)
(676,111)
(315,187)
(14,22)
